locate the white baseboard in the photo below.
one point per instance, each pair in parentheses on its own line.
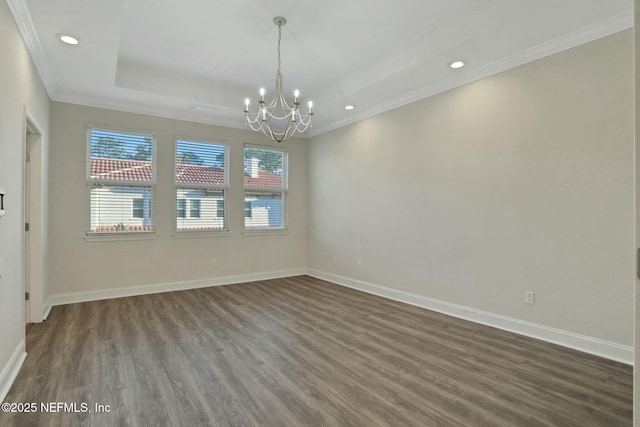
(598,347)
(74,297)
(11,369)
(46,309)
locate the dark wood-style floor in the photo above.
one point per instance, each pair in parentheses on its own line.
(298,352)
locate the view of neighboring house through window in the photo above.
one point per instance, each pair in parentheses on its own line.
(201,185)
(265,188)
(120,181)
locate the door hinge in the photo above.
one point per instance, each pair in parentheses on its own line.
(26,226)
(26,296)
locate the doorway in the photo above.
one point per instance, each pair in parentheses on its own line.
(33,205)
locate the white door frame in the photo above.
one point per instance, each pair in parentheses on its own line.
(33,256)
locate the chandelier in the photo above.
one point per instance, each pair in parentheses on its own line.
(278,120)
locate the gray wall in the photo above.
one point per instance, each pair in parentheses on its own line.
(80,266)
(21,88)
(523,180)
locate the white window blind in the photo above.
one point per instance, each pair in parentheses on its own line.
(201,186)
(120,181)
(265,188)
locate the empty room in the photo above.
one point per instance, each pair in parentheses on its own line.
(293,213)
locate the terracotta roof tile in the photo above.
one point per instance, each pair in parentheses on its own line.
(140,170)
(197,174)
(264,179)
(118,169)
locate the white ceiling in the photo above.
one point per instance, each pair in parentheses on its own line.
(199,59)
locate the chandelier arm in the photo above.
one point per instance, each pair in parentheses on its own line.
(290,131)
(271,134)
(268,133)
(249,121)
(302,126)
(253,121)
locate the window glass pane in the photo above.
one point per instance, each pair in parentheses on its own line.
(120,156)
(265,186)
(204,213)
(265,210)
(263,168)
(120,181)
(200,163)
(114,208)
(200,180)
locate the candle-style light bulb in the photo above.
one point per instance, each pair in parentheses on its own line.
(310,106)
(261,94)
(246,105)
(296,94)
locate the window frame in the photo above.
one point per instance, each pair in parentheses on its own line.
(89,182)
(284,191)
(224,188)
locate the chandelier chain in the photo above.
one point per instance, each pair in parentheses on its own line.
(279,39)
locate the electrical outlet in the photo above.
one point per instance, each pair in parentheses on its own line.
(214,263)
(528,297)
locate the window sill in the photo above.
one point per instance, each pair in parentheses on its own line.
(200,234)
(279,231)
(118,237)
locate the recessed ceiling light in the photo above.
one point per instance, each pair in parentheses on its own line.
(349,107)
(456,64)
(68,39)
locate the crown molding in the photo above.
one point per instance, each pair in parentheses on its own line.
(198,116)
(150,110)
(602,29)
(27,30)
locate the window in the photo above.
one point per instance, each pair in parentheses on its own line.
(194,208)
(138,208)
(120,181)
(181,208)
(220,209)
(200,179)
(265,188)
